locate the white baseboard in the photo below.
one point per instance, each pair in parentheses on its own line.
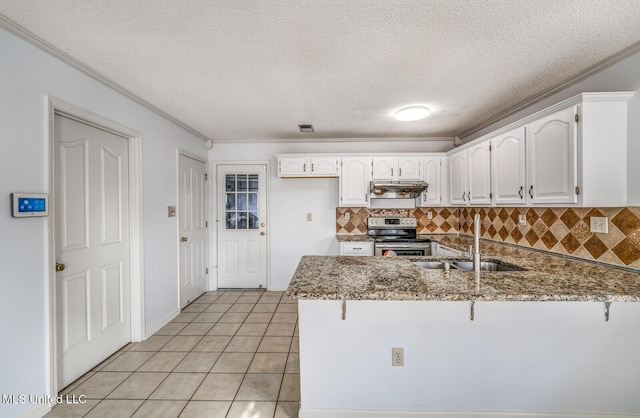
(149,332)
(37,411)
(367,413)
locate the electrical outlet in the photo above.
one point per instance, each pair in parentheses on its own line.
(522,219)
(347,216)
(429,215)
(397,357)
(309,216)
(599,224)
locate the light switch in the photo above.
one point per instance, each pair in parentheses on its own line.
(309,216)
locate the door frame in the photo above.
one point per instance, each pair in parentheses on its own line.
(208,284)
(55,106)
(214,208)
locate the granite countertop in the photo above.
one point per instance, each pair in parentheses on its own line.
(546,278)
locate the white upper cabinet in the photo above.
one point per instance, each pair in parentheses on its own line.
(307,166)
(508,168)
(479,174)
(409,168)
(470,176)
(292,166)
(551,164)
(324,166)
(431,170)
(390,168)
(355,175)
(458,178)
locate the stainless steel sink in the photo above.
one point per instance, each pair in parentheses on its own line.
(432,265)
(486,266)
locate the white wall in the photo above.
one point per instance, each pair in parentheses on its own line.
(27,74)
(291,236)
(621,76)
(514,357)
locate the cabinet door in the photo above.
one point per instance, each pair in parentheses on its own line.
(457,179)
(324,166)
(293,166)
(479,174)
(385,168)
(409,168)
(431,167)
(508,168)
(355,175)
(551,158)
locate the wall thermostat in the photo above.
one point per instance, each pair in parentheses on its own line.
(27,205)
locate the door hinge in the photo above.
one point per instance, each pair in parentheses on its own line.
(577,190)
(577,118)
(206,176)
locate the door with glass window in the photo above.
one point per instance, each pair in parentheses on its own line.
(242,228)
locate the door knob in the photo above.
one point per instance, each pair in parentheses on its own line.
(261,232)
(60,266)
(184,239)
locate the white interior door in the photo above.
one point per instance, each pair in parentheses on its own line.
(92,242)
(192,200)
(242,240)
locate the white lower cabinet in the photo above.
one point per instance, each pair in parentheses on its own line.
(356,248)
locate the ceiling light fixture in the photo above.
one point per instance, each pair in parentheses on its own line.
(412,113)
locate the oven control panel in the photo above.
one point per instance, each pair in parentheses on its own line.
(392,222)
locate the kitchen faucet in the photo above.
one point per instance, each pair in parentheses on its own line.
(476,244)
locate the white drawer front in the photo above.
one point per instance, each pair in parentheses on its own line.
(356,248)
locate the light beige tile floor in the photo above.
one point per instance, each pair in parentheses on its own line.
(228,354)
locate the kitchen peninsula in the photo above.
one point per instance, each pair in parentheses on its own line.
(559,337)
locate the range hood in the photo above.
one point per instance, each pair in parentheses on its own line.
(397,189)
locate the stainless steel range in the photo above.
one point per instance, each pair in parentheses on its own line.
(397,236)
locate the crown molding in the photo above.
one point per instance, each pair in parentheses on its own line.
(326,140)
(45,46)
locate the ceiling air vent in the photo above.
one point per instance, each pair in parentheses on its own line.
(306,129)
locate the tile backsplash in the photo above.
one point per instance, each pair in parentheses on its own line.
(559,230)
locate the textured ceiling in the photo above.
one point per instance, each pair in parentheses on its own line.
(252,69)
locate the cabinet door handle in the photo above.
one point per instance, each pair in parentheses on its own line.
(521,192)
(392,172)
(469,196)
(463,198)
(304,167)
(400,174)
(312,167)
(531,191)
